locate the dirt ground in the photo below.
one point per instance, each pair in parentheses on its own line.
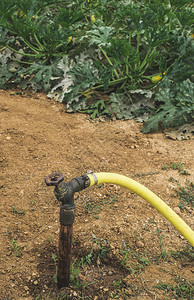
(122,247)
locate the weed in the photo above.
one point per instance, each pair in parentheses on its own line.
(117,286)
(103,245)
(75,277)
(15,210)
(175,166)
(101,185)
(165,286)
(100,250)
(93,209)
(187,254)
(75,272)
(111,201)
(50,238)
(164,253)
(184,288)
(54,257)
(16,248)
(128,255)
(171,179)
(164,167)
(125,255)
(88,257)
(32,202)
(59,296)
(179,167)
(185,194)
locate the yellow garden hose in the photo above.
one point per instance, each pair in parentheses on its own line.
(161,206)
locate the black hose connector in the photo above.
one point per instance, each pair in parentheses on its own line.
(64,193)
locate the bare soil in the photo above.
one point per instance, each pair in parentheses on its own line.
(117,252)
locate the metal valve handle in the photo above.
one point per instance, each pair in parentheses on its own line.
(54,179)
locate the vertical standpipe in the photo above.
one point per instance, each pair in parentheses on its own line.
(64,193)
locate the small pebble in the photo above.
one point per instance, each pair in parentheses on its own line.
(110,273)
(177,210)
(140,244)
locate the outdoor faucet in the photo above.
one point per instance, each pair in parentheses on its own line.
(64,193)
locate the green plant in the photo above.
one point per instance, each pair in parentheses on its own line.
(89,257)
(50,238)
(117,286)
(179,167)
(97,109)
(165,286)
(186,254)
(184,288)
(15,210)
(103,247)
(60,296)
(100,57)
(174,106)
(163,252)
(16,248)
(171,179)
(164,167)
(75,278)
(131,104)
(30,25)
(93,208)
(185,194)
(75,272)
(176,166)
(54,257)
(133,261)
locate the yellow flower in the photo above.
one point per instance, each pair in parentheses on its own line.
(69,39)
(192,35)
(93,19)
(157,78)
(21,13)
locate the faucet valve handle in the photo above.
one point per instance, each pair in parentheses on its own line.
(54,179)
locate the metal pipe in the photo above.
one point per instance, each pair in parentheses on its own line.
(64,193)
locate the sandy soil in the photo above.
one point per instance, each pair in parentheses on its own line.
(116,246)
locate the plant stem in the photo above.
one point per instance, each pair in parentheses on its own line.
(147,55)
(109,61)
(36,50)
(114,82)
(22,62)
(38,42)
(18,52)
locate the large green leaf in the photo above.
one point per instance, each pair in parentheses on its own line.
(177,107)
